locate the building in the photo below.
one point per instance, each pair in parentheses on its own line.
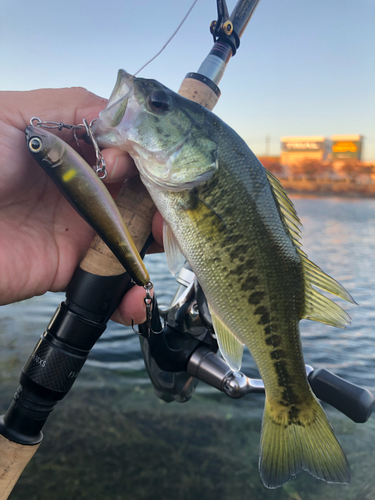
(346,147)
(300,148)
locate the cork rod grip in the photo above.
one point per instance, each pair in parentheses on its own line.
(13,459)
(137,209)
(134,202)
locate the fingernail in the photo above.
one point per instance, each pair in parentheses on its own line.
(118,166)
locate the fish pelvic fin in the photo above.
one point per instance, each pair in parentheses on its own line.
(175,258)
(290,443)
(230,347)
(317,306)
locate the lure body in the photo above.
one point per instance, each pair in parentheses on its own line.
(88,196)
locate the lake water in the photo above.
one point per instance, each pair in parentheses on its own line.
(112,439)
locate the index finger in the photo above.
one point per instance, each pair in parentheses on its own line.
(119,165)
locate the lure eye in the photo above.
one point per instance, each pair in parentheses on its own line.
(35,144)
(159,101)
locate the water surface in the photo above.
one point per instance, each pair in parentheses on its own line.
(112,439)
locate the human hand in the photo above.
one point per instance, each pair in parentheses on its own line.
(42,237)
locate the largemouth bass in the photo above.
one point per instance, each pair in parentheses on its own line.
(234,223)
(87,194)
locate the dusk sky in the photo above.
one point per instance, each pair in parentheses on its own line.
(303,67)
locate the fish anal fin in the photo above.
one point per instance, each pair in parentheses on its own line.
(230,347)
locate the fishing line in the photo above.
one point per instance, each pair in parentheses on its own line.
(169,40)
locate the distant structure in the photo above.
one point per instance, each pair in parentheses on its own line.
(346,147)
(300,148)
(338,149)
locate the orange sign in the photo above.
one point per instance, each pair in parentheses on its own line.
(344,147)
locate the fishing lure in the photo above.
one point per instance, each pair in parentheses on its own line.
(88,196)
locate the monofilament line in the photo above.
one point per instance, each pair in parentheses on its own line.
(169,40)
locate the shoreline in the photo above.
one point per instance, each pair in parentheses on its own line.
(321,188)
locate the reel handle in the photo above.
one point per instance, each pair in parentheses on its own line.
(355,402)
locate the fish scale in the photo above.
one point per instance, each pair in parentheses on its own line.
(236,226)
(248,326)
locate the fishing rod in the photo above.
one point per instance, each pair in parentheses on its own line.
(99,282)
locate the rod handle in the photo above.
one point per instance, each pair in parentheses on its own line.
(13,459)
(137,209)
(134,202)
(198,91)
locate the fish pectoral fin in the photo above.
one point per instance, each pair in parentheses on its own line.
(206,213)
(175,258)
(230,347)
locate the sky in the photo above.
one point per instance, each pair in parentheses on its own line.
(303,68)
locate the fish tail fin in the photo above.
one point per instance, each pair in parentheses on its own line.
(306,441)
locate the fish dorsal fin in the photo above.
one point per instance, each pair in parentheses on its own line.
(175,259)
(286,207)
(230,347)
(317,306)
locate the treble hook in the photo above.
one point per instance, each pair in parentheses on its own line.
(148,303)
(100,163)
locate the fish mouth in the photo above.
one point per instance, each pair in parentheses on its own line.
(111,119)
(122,88)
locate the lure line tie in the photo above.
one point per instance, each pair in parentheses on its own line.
(100,166)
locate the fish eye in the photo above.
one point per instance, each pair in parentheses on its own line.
(35,144)
(159,101)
